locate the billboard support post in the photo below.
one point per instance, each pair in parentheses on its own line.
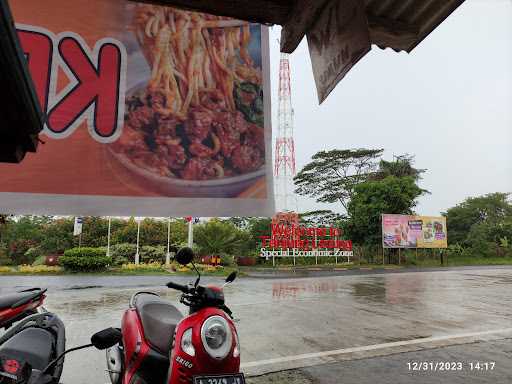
(336,258)
(316,250)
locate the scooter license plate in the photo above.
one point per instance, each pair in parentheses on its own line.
(221,379)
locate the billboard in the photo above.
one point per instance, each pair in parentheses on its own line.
(151,111)
(404,231)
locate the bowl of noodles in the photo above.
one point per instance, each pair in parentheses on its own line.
(195,128)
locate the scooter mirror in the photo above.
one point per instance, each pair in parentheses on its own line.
(184,256)
(231,277)
(106,338)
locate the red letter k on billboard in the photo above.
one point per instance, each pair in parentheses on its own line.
(97,89)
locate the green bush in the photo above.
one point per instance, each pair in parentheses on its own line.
(149,254)
(4,255)
(455,250)
(227,260)
(123,253)
(40,260)
(32,254)
(118,261)
(85,259)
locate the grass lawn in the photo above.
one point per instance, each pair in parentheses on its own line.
(114,271)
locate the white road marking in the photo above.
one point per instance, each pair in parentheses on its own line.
(371,348)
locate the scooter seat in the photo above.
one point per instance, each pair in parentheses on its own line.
(159,319)
(14,300)
(33,345)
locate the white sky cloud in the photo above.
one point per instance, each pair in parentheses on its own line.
(448,103)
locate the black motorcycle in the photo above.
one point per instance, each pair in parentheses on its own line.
(32,352)
(30,346)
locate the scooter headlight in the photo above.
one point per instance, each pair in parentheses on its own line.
(186,343)
(217,337)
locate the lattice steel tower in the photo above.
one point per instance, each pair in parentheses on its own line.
(284,166)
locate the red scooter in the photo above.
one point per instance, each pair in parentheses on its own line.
(160,346)
(18,305)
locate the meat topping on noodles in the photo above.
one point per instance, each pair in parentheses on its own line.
(201,115)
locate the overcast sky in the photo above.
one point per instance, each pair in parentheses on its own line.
(449,103)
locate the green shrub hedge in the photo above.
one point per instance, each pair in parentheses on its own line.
(85,259)
(123,253)
(150,254)
(41,260)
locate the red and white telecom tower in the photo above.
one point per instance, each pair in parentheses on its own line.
(284,166)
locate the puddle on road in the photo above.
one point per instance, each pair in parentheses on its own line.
(396,290)
(80,287)
(89,306)
(298,289)
(381,289)
(90,303)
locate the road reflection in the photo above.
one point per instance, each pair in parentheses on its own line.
(284,290)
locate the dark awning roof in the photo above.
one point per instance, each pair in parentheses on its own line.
(20,115)
(397,24)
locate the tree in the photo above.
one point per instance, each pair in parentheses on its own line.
(152,232)
(58,236)
(127,233)
(401,166)
(373,198)
(257,227)
(332,175)
(492,213)
(215,237)
(4,221)
(239,222)
(23,234)
(94,232)
(321,218)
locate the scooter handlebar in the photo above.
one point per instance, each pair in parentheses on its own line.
(178,287)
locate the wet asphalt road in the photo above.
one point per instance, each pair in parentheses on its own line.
(283,318)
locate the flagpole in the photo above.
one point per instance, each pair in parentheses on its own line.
(190,234)
(168,256)
(137,256)
(108,237)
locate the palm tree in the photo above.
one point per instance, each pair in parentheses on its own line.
(216,237)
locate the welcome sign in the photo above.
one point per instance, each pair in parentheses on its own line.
(300,241)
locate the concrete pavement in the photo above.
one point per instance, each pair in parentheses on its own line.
(399,368)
